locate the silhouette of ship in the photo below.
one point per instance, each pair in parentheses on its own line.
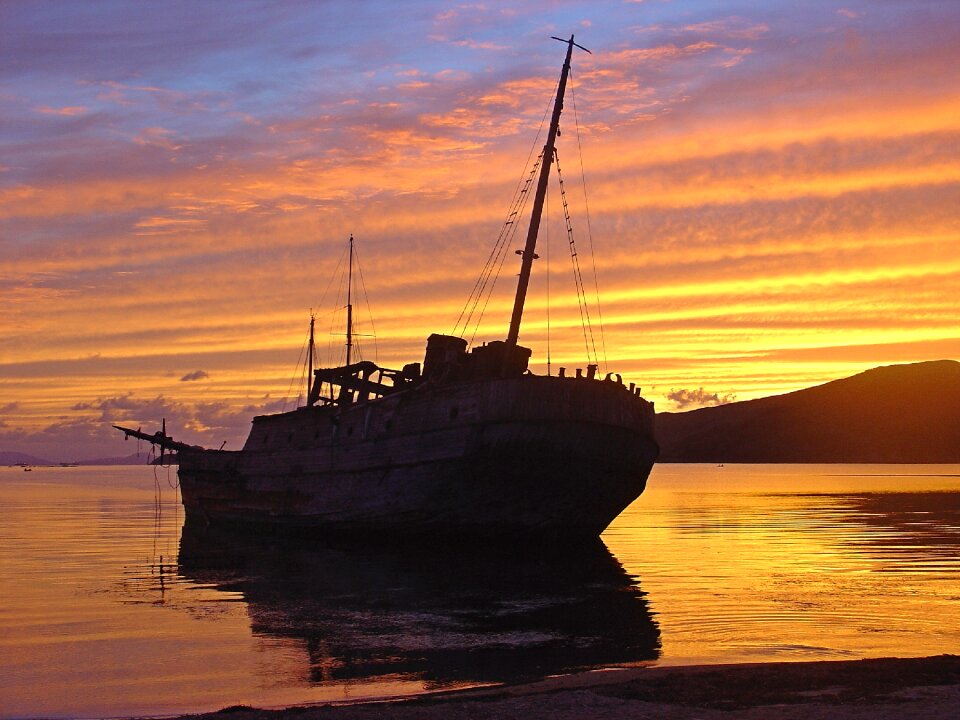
(469,444)
(446,614)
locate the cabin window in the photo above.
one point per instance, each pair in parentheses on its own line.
(454,411)
(266,438)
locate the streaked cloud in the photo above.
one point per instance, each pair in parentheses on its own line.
(773,194)
(738,28)
(63,111)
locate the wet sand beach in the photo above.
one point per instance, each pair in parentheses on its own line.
(926,688)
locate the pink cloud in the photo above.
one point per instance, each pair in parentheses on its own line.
(733,27)
(735,56)
(158,137)
(70,111)
(479,45)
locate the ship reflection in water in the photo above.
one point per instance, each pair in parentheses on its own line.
(747,563)
(447,615)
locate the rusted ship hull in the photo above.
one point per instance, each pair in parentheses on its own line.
(522,456)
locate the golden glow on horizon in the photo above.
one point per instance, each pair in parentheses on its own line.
(745,219)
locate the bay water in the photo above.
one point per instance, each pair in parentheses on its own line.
(110,607)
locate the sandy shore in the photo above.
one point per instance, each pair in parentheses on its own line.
(904,689)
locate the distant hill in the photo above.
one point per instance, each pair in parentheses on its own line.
(9,457)
(892,414)
(134,459)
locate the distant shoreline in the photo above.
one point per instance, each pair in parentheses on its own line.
(891,688)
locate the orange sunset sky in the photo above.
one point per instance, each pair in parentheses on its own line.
(773,193)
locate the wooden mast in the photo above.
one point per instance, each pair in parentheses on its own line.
(350,303)
(310,349)
(527,254)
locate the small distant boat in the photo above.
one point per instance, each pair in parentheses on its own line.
(469,443)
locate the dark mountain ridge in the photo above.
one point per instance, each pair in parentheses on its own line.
(892,414)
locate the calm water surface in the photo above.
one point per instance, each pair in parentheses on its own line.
(109,607)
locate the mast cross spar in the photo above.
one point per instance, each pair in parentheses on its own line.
(527,254)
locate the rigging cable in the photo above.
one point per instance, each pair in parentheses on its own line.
(547,254)
(477,291)
(335,317)
(503,253)
(585,321)
(495,260)
(297,376)
(366,298)
(334,275)
(586,205)
(492,268)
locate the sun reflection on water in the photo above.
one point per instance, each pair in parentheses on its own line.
(752,563)
(108,606)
